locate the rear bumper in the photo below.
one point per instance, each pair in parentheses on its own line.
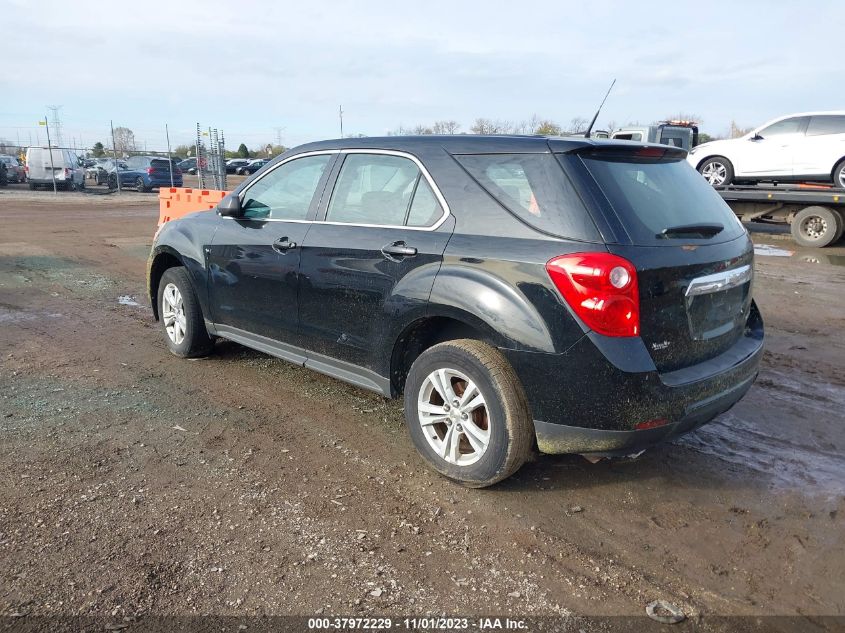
(591,398)
(559,438)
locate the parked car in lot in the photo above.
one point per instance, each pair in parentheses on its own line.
(145,173)
(66,166)
(796,147)
(577,295)
(14,170)
(188,166)
(98,170)
(234,163)
(252,166)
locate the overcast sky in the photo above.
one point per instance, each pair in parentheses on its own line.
(250,67)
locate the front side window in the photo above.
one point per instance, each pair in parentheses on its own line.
(374,189)
(794,125)
(826,124)
(286,192)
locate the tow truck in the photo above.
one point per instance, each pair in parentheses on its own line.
(815,213)
(677,133)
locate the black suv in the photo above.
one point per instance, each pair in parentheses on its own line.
(573,295)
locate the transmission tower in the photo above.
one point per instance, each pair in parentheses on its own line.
(56,124)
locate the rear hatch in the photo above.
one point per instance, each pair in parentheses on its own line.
(160,169)
(693,257)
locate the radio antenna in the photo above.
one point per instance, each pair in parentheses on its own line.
(593,122)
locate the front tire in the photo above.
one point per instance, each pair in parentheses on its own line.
(717,170)
(180,315)
(467,413)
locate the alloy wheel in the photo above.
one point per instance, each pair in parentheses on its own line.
(715,173)
(453,414)
(173,313)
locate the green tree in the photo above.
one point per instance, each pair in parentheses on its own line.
(548,128)
(184,150)
(243,151)
(98,150)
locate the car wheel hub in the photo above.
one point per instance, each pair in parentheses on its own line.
(715,173)
(173,313)
(453,415)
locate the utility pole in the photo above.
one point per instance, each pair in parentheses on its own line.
(169,159)
(57,124)
(50,151)
(116,162)
(340,114)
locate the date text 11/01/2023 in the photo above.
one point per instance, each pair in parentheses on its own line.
(424,623)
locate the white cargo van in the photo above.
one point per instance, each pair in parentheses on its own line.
(65,164)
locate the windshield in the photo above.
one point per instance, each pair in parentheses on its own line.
(653,197)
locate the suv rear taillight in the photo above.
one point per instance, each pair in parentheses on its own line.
(150,171)
(67,172)
(602,290)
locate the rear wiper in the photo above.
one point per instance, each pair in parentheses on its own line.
(691,230)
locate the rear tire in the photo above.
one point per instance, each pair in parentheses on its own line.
(485,437)
(840,223)
(180,315)
(717,170)
(816,227)
(140,186)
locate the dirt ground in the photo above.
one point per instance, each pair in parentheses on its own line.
(138,483)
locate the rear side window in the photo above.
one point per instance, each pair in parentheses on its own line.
(160,164)
(383,190)
(652,195)
(829,124)
(534,188)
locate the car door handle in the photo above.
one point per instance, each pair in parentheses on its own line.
(283,245)
(398,249)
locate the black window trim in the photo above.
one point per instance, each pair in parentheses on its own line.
(331,176)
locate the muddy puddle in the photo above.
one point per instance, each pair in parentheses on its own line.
(784,430)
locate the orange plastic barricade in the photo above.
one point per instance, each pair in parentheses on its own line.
(174,202)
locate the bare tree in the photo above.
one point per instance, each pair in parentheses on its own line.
(578,124)
(446,127)
(737,131)
(484,126)
(124,140)
(611,125)
(422,129)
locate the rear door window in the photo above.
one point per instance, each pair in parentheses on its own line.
(382,190)
(826,124)
(535,189)
(651,195)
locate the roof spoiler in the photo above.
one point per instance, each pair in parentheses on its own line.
(620,151)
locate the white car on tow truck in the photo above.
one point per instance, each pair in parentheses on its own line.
(808,146)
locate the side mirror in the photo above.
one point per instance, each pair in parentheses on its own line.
(756,137)
(230,207)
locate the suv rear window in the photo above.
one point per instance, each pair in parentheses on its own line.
(160,164)
(534,188)
(651,195)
